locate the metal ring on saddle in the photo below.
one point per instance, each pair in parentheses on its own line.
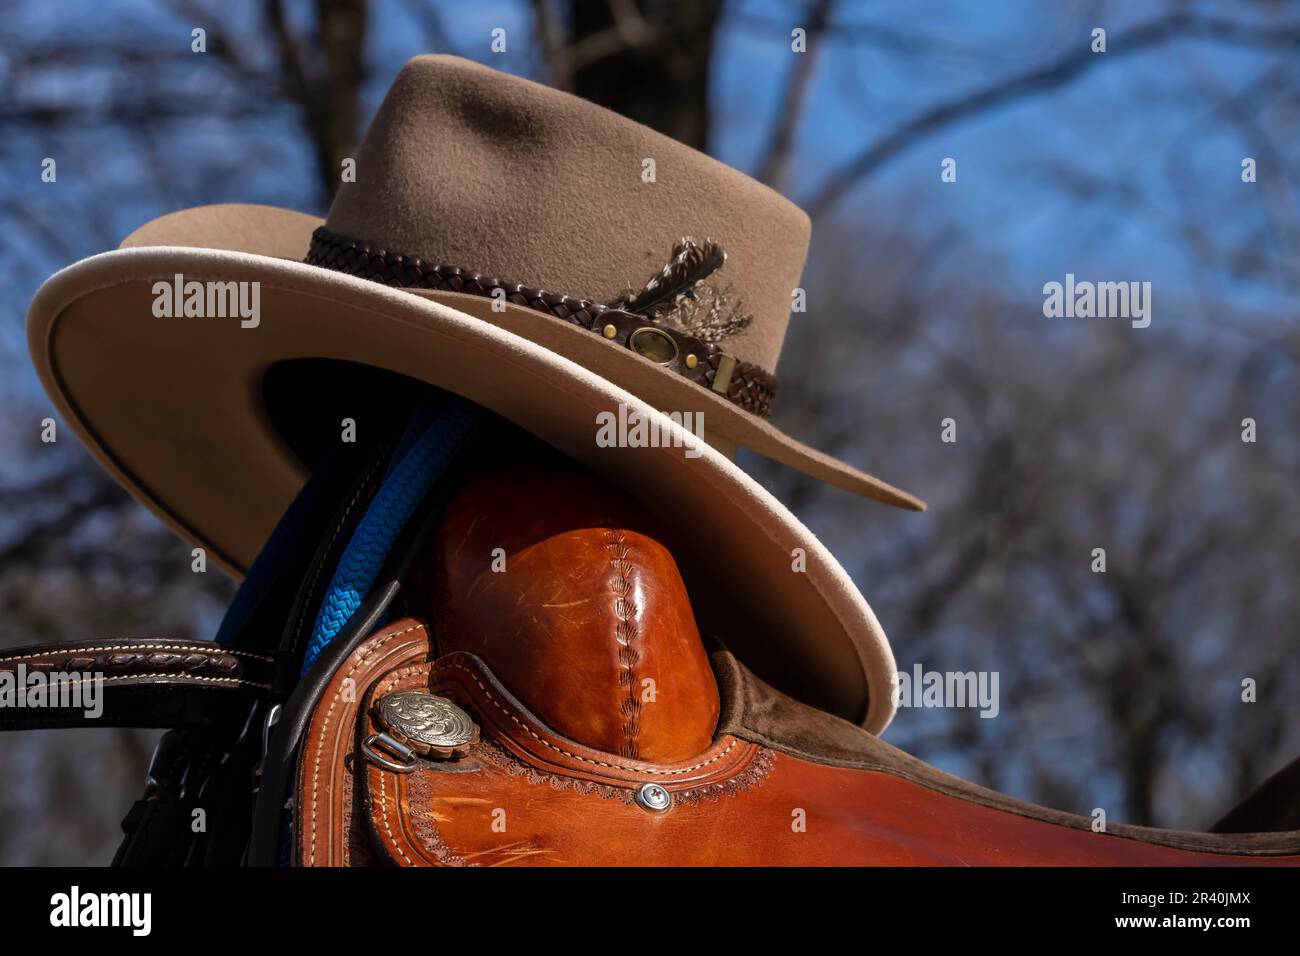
(369,748)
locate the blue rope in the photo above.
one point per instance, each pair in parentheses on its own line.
(403,489)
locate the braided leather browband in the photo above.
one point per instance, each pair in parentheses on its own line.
(744,384)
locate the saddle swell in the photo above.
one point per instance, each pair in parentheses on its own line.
(569,601)
(606,735)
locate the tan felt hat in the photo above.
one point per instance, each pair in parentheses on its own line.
(530,251)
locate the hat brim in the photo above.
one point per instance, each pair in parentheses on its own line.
(285,234)
(174,409)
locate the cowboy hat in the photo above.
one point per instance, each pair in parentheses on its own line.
(523,248)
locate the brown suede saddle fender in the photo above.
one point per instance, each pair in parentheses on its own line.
(555,705)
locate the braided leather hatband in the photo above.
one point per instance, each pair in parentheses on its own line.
(744,384)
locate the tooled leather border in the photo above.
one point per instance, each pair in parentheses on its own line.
(320,820)
(150,660)
(526,737)
(399,653)
(746,768)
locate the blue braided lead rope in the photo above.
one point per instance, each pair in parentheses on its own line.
(405,486)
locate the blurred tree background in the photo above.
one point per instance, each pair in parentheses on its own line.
(1119,690)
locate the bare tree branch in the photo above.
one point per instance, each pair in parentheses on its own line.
(1033,82)
(329,97)
(774,166)
(566,56)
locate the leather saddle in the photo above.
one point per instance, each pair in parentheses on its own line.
(525,685)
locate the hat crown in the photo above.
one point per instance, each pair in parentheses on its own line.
(470,167)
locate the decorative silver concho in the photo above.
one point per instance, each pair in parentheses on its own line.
(428,724)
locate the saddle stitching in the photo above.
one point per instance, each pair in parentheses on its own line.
(237,681)
(432,841)
(625,632)
(442,853)
(320,740)
(383,804)
(598,763)
(215,649)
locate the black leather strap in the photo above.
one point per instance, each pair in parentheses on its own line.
(281,755)
(216,752)
(131,682)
